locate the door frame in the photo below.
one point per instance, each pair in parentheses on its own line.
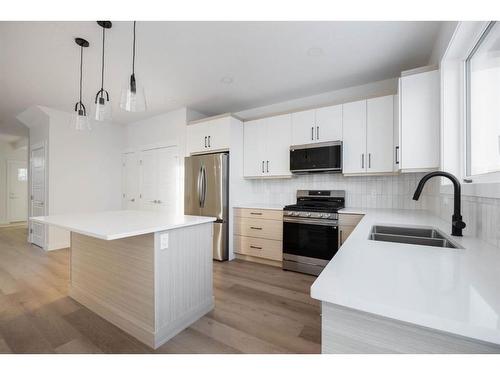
(8,210)
(33,147)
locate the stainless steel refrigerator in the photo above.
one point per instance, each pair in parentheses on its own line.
(206,194)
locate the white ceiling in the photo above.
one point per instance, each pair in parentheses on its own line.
(184,63)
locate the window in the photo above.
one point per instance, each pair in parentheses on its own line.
(483,103)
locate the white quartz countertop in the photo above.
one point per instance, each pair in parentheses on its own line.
(112,225)
(452,290)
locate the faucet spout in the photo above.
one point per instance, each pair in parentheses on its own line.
(457,223)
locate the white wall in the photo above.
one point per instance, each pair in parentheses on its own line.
(8,152)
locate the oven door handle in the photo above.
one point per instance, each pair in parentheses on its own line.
(329,223)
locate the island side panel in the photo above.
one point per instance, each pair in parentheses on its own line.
(115,279)
(348,331)
(184,279)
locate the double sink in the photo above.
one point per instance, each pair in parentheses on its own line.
(411,235)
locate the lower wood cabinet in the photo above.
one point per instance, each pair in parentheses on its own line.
(347,223)
(258,235)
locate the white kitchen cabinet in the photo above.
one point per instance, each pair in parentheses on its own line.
(419,121)
(266,150)
(317,125)
(379,134)
(254,148)
(208,136)
(368,127)
(329,123)
(354,137)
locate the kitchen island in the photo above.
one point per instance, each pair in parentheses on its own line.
(149,273)
(387,297)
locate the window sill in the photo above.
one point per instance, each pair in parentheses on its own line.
(476,189)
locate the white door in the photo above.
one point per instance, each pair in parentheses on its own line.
(278,140)
(37,194)
(149,179)
(219,133)
(354,136)
(17,190)
(254,148)
(379,134)
(303,127)
(130,178)
(197,137)
(329,123)
(168,189)
(420,116)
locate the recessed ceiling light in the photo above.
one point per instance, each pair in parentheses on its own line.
(226,80)
(315,51)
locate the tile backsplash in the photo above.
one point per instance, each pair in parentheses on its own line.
(361,191)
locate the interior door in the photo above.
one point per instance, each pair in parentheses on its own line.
(17,190)
(379,134)
(168,179)
(37,194)
(354,137)
(303,127)
(254,148)
(278,140)
(131,178)
(149,180)
(329,123)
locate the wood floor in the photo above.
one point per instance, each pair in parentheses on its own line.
(258,309)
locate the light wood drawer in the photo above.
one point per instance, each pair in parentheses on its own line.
(259,213)
(350,219)
(269,229)
(259,247)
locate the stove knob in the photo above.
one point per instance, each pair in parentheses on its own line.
(308,214)
(293,214)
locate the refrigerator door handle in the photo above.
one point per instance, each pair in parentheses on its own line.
(198,186)
(204,185)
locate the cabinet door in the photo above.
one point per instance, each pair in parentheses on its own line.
(329,124)
(303,127)
(354,134)
(278,141)
(379,134)
(254,148)
(197,137)
(420,121)
(219,134)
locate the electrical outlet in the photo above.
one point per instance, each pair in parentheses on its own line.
(163,241)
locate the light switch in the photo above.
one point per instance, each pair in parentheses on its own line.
(163,241)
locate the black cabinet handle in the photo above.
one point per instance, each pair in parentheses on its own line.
(397,154)
(267,166)
(209,141)
(255,213)
(256,228)
(255,247)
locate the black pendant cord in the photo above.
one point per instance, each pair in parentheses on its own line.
(100,94)
(79,107)
(133,87)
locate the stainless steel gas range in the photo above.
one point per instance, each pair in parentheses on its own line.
(310,230)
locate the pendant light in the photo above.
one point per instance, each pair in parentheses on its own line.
(133,98)
(80,121)
(102,104)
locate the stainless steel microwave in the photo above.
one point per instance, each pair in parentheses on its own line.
(316,157)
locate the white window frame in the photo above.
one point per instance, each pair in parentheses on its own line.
(465,38)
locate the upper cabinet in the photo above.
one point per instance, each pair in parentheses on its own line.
(419,134)
(207,136)
(368,127)
(266,149)
(317,125)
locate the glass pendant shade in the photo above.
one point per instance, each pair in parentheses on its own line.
(80,121)
(133,98)
(103,109)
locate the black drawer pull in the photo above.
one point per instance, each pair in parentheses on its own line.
(255,247)
(257,228)
(255,213)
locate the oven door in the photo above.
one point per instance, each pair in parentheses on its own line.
(319,157)
(316,240)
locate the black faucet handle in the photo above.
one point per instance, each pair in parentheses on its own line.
(459,224)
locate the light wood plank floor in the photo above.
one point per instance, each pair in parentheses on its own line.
(258,309)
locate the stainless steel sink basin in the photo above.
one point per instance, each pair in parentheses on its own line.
(410,235)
